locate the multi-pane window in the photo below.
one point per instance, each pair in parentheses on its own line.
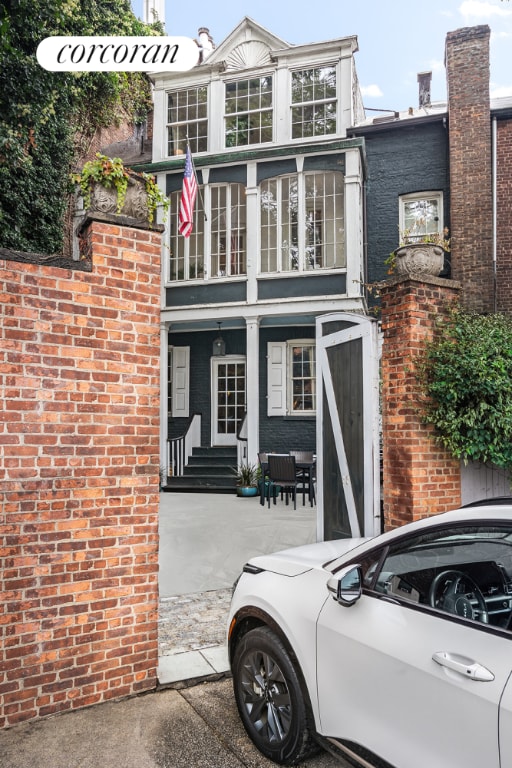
(186,253)
(187,117)
(421,215)
(301,377)
(302,222)
(248,111)
(217,245)
(228,230)
(313,102)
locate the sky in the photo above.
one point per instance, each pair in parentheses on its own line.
(397,38)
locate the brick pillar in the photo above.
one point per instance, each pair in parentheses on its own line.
(467,71)
(419,477)
(79,474)
(504,217)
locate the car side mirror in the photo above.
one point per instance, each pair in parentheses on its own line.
(347,585)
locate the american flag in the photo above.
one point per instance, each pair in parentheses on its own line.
(188,197)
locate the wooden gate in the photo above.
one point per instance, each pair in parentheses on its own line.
(348,453)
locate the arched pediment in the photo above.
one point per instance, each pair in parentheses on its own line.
(249,54)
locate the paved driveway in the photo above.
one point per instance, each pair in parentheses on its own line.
(193,728)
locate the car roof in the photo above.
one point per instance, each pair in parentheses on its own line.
(501,512)
(491,502)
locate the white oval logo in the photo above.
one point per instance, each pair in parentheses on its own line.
(117,54)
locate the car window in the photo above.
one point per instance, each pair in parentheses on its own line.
(462,570)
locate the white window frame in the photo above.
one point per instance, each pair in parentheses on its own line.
(188,129)
(187,248)
(303,262)
(312,103)
(310,343)
(279,377)
(428,228)
(235,254)
(241,113)
(194,253)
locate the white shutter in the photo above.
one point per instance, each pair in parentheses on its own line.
(276,378)
(180,380)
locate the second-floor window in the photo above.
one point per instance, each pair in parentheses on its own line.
(248,111)
(217,246)
(302,222)
(186,253)
(228,239)
(313,102)
(187,116)
(421,214)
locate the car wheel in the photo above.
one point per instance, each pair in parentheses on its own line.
(273,707)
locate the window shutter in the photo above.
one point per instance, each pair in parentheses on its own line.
(276,378)
(180,380)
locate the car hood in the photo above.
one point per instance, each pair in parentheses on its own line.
(297,560)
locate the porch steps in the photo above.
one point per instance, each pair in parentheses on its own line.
(209,470)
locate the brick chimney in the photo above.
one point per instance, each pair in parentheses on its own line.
(467,71)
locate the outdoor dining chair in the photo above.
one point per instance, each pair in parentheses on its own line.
(305,468)
(282,473)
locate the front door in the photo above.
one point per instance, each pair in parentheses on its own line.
(228,398)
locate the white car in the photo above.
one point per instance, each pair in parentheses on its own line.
(393,651)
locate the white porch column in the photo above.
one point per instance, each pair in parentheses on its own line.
(164,365)
(253,389)
(252,214)
(354,222)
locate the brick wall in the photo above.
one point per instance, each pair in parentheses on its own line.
(467,70)
(419,477)
(504,217)
(79,461)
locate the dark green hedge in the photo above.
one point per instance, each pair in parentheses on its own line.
(466,376)
(46,118)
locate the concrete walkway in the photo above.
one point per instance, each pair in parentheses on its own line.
(205,539)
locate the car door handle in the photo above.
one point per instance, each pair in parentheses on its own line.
(464,666)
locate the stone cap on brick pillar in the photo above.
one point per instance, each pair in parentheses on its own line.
(118,219)
(442,282)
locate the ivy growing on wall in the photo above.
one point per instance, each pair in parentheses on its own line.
(465,374)
(47,118)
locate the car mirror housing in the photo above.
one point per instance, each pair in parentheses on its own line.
(347,585)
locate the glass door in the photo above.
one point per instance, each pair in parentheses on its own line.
(228,399)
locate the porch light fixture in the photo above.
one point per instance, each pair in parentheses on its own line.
(219,346)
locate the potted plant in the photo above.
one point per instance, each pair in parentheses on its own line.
(246,479)
(419,254)
(110,187)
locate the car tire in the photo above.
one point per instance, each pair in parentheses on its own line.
(273,706)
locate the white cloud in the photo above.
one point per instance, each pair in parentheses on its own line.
(436,65)
(474,9)
(501,91)
(371,90)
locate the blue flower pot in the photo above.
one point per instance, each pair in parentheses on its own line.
(246,490)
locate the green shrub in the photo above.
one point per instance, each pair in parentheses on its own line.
(466,378)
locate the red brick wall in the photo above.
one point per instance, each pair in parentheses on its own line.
(79,461)
(419,477)
(467,70)
(504,215)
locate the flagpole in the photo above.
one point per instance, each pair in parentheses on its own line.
(198,187)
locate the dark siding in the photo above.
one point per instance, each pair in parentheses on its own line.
(276,433)
(185,295)
(310,285)
(400,161)
(201,345)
